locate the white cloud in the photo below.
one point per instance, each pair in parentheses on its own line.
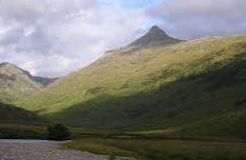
(54,37)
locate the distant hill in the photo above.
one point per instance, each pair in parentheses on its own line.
(16,82)
(195,88)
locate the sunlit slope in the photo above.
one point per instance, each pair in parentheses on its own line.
(161,87)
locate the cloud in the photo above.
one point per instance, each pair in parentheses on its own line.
(53,37)
(191,18)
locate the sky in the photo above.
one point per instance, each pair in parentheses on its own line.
(54,37)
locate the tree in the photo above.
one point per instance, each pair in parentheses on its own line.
(58,132)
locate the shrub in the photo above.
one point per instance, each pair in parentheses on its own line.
(58,132)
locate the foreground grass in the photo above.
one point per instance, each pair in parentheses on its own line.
(163,149)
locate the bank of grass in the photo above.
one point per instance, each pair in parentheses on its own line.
(18,131)
(28,131)
(162,149)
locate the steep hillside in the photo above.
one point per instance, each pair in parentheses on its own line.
(16,83)
(11,114)
(162,87)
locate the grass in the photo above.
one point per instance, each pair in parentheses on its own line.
(163,149)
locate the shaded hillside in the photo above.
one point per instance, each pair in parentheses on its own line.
(166,87)
(12,114)
(206,103)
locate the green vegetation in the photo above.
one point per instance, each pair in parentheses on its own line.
(161,149)
(58,132)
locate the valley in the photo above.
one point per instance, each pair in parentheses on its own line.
(139,100)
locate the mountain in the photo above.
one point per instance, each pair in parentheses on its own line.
(12,114)
(155,37)
(190,88)
(16,83)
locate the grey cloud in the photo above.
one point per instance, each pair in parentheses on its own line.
(36,41)
(29,40)
(12,37)
(192,18)
(21,10)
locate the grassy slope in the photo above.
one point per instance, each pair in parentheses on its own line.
(171,87)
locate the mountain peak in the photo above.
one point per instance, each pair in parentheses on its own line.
(157,30)
(154,37)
